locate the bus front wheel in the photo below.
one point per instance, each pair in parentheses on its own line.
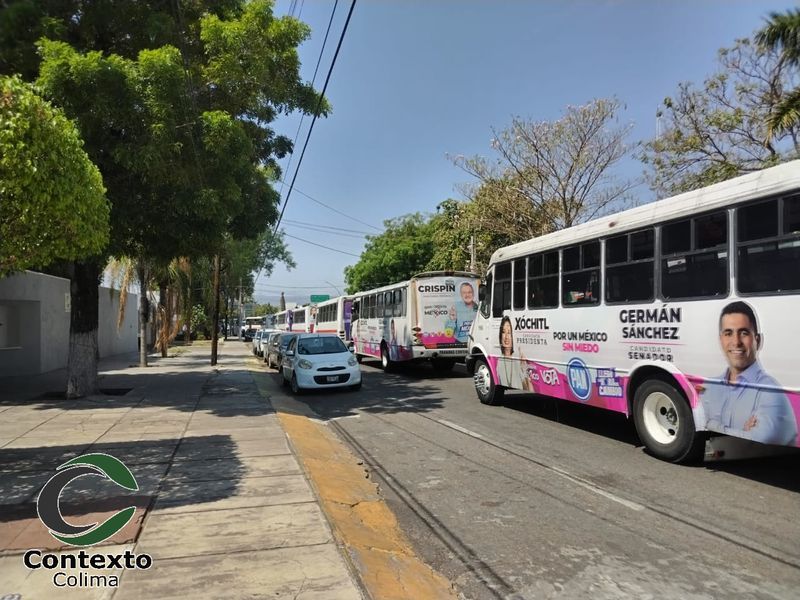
(665,423)
(485,386)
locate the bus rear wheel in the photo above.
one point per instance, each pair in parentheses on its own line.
(386,363)
(485,386)
(665,423)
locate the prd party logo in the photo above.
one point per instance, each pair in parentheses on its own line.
(47,505)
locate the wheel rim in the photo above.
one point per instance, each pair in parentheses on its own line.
(482,379)
(661,418)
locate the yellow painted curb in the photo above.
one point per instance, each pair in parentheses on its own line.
(361,520)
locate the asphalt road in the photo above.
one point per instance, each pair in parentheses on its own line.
(536,499)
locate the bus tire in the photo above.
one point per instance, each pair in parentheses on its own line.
(443,365)
(360,358)
(665,423)
(386,363)
(488,391)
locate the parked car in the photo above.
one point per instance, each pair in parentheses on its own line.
(318,361)
(254,342)
(269,346)
(261,345)
(276,352)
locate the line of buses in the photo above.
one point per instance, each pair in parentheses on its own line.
(682,314)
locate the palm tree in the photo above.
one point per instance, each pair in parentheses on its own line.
(782,33)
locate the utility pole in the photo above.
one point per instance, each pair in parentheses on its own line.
(241,308)
(215,333)
(472,254)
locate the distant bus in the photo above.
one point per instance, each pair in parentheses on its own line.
(301,319)
(250,326)
(335,316)
(427,317)
(683,313)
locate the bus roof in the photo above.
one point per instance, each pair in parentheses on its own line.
(764,183)
(425,275)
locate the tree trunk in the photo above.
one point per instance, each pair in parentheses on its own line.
(83,322)
(215,330)
(187,338)
(144,310)
(164,312)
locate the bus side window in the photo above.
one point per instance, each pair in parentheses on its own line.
(694,257)
(501,295)
(486,302)
(519,283)
(543,280)
(630,267)
(397,303)
(768,246)
(581,275)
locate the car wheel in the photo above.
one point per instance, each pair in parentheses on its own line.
(665,423)
(284,381)
(488,391)
(296,389)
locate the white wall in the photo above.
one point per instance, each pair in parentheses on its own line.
(110,339)
(34,321)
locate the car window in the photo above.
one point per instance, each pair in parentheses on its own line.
(321,345)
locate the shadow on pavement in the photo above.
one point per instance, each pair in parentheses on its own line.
(381,393)
(224,392)
(192,471)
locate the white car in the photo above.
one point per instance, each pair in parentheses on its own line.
(261,344)
(318,361)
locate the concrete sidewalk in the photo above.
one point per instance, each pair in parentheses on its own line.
(223,506)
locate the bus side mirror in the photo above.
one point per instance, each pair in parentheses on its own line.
(482,292)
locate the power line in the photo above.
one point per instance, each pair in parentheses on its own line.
(294,287)
(313,79)
(320,245)
(318,229)
(351,217)
(316,113)
(346,229)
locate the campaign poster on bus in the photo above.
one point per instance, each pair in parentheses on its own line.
(446,307)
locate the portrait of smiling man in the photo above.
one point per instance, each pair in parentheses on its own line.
(747,402)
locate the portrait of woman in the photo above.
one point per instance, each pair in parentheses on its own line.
(511,370)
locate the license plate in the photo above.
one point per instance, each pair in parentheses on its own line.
(333,378)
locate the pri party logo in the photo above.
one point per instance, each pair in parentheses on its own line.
(47,505)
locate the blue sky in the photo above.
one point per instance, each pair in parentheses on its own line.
(416,81)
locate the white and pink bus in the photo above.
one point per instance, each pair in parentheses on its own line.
(683,313)
(425,318)
(335,316)
(300,319)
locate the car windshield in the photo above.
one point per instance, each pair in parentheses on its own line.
(286,339)
(320,345)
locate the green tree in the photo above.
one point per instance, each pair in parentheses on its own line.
(52,199)
(183,139)
(402,250)
(718,131)
(782,34)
